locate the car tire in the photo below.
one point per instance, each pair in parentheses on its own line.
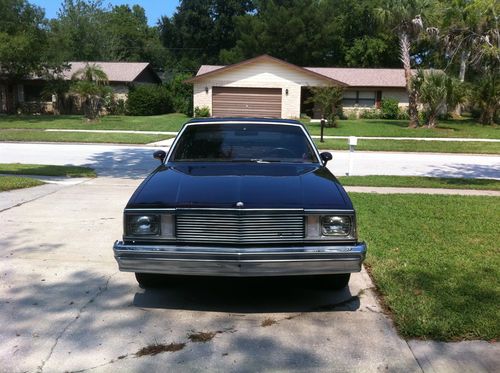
(334,282)
(149,280)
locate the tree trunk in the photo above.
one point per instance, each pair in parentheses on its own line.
(432,120)
(464,57)
(404,44)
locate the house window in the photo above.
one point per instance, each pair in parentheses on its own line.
(33,93)
(359,98)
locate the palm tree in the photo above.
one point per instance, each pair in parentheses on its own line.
(91,83)
(471,32)
(406,17)
(91,73)
(433,95)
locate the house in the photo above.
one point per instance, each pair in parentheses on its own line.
(269,87)
(27,95)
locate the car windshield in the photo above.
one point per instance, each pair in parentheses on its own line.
(243,142)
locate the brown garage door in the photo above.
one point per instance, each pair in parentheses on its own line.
(246,102)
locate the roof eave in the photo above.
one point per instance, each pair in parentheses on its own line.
(263,57)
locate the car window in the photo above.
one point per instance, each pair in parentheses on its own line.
(243,142)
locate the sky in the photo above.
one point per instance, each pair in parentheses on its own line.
(154,8)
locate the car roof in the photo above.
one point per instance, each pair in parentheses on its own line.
(238,119)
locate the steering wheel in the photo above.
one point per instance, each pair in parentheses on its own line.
(281,152)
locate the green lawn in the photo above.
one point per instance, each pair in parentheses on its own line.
(46,170)
(399,128)
(114,138)
(169,122)
(436,262)
(413,146)
(17,182)
(173,122)
(420,182)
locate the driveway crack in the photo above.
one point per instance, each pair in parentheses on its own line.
(68,325)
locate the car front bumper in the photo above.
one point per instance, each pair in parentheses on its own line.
(239,262)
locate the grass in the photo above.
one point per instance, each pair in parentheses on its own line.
(413,146)
(420,182)
(46,170)
(436,262)
(173,122)
(169,122)
(42,136)
(17,182)
(399,128)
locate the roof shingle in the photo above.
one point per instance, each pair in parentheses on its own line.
(116,71)
(353,77)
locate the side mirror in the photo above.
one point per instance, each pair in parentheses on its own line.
(325,157)
(160,155)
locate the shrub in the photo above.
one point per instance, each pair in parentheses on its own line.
(181,94)
(371,114)
(148,100)
(114,106)
(403,115)
(201,112)
(389,108)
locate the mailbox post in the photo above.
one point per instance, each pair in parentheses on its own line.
(352,141)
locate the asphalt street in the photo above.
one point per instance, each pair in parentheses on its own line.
(136,161)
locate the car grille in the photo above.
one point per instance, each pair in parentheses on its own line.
(239,227)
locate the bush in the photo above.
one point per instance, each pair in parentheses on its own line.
(389,108)
(403,115)
(114,106)
(148,100)
(181,93)
(371,114)
(201,112)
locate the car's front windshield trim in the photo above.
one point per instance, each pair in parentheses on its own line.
(257,122)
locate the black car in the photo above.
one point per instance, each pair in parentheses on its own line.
(241,197)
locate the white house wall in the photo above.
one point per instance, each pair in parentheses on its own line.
(259,75)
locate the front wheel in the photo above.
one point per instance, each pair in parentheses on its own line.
(149,280)
(334,282)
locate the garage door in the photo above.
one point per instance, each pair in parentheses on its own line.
(246,102)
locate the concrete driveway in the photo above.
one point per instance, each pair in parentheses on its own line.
(65,307)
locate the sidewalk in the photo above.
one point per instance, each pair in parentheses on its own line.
(393,190)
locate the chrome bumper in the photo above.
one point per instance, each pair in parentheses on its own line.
(239,262)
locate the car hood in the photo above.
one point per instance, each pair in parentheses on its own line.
(256,185)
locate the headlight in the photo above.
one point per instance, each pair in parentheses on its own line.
(143,225)
(336,225)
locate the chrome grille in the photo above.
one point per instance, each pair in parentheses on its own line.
(239,227)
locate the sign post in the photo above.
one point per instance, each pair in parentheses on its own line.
(352,141)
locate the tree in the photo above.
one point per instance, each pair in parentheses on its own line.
(432,94)
(406,18)
(329,101)
(23,44)
(200,29)
(470,30)
(486,97)
(91,83)
(78,33)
